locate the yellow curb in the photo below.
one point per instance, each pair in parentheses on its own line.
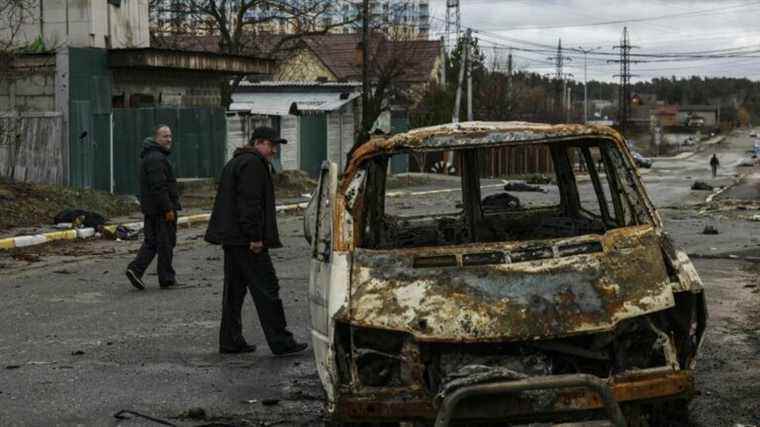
(61,235)
(7,243)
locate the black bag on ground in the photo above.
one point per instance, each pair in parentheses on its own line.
(91,219)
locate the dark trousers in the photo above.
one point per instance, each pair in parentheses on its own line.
(244,270)
(160,239)
(714,170)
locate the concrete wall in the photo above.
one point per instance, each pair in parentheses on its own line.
(30,87)
(84,23)
(186,89)
(340,135)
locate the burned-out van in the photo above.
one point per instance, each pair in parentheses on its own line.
(470,303)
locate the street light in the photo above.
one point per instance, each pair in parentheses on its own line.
(585,79)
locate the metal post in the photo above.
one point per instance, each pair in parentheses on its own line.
(462,65)
(585,80)
(365,73)
(470,114)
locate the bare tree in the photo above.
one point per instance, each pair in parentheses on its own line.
(238,25)
(13,15)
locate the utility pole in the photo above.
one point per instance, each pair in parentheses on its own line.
(470,114)
(365,71)
(560,76)
(585,80)
(509,81)
(445,62)
(462,65)
(624,94)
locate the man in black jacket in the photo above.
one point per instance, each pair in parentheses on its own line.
(159,202)
(244,222)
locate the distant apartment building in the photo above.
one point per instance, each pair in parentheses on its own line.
(403,17)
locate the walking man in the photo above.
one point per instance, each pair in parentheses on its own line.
(244,223)
(159,202)
(714,163)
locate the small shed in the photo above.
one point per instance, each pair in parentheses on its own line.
(317,118)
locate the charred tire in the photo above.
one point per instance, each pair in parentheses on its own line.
(674,413)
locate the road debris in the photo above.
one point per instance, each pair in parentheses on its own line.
(701,186)
(128,415)
(709,229)
(522,186)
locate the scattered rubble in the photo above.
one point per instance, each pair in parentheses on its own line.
(702,186)
(522,186)
(709,229)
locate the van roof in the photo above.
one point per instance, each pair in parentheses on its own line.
(464,135)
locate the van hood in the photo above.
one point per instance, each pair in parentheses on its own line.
(511,291)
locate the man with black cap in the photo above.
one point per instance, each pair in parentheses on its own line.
(244,222)
(159,202)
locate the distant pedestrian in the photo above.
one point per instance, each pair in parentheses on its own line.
(244,223)
(714,163)
(159,202)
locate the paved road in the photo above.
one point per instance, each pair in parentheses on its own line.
(78,344)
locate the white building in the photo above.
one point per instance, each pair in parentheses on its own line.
(83,23)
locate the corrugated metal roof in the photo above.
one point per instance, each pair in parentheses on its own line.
(279,103)
(301,83)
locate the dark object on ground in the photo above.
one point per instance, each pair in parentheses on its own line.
(270,402)
(135,280)
(125,233)
(641,161)
(538,179)
(709,229)
(522,186)
(91,219)
(196,414)
(12,366)
(127,415)
(293,349)
(501,201)
(77,353)
(699,185)
(248,348)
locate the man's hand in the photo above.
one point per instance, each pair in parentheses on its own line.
(170,216)
(256,247)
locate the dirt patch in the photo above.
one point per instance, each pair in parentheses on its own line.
(25,204)
(293,183)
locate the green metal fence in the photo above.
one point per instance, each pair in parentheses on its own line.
(199,140)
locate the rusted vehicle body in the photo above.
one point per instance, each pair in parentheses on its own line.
(573,311)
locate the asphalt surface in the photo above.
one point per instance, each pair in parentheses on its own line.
(78,343)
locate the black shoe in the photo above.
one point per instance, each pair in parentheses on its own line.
(292,349)
(169,285)
(247,348)
(135,280)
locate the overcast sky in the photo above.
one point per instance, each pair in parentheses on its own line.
(655,26)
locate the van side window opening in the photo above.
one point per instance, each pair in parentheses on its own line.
(590,190)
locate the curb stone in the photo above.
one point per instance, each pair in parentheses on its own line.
(84,233)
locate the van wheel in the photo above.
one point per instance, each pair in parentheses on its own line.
(674,413)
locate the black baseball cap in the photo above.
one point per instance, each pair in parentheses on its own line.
(265,132)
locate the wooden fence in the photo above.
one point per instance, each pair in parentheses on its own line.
(31,147)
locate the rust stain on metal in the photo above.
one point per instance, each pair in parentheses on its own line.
(525,300)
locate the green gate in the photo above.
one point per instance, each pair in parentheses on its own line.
(312,143)
(198,134)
